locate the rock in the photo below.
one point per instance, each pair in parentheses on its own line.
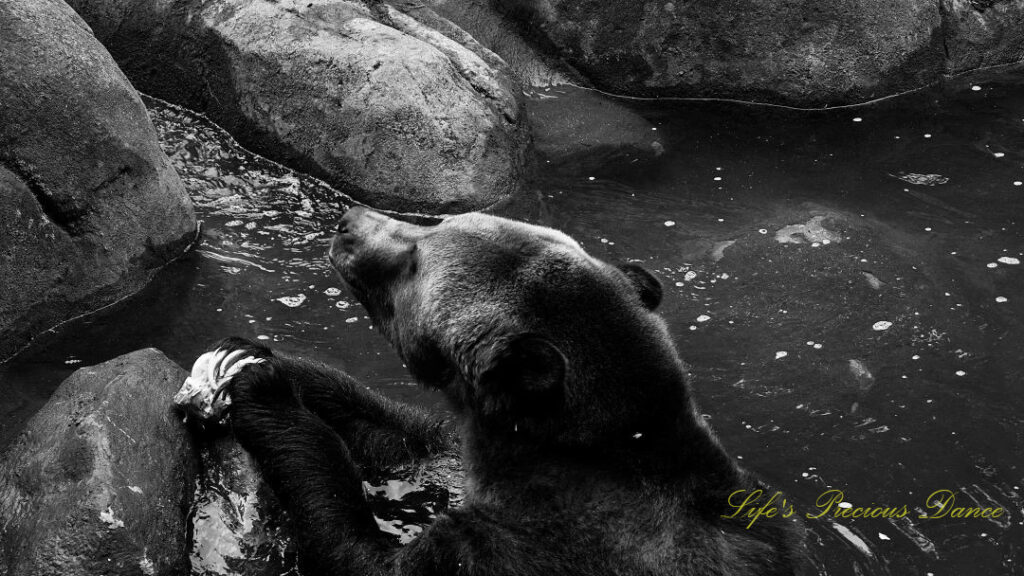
(389,110)
(804,53)
(501,34)
(983,32)
(91,205)
(237,526)
(100,482)
(589,131)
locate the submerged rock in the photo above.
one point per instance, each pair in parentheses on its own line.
(588,130)
(392,111)
(100,482)
(91,206)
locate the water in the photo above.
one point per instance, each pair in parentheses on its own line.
(879,362)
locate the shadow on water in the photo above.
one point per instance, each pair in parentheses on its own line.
(844,283)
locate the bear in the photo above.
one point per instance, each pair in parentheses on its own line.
(571,409)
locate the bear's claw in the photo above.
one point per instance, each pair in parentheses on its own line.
(204,392)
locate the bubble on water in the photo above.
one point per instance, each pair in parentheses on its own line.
(881,325)
(961,373)
(332,291)
(999,154)
(703,318)
(927,135)
(263,337)
(292,301)
(882,536)
(1009,260)
(591,178)
(976,88)
(680,284)
(341,304)
(915,357)
(845,505)
(781,354)
(604,240)
(817,345)
(858,119)
(991,265)
(234,223)
(692,327)
(690,276)
(669,223)
(1018,183)
(928,229)
(352,320)
(1000,299)
(718,178)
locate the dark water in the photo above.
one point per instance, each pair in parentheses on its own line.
(878,351)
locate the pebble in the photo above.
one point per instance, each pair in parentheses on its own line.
(1009,260)
(858,119)
(992,265)
(881,325)
(1018,183)
(999,154)
(781,354)
(669,223)
(961,373)
(976,88)
(703,318)
(1000,299)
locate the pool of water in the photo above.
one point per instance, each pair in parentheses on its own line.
(844,284)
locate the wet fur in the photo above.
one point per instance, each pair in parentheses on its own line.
(584,449)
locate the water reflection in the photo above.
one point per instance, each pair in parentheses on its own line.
(845,284)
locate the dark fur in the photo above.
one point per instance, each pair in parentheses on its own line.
(584,449)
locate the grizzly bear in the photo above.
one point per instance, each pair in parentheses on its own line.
(584,451)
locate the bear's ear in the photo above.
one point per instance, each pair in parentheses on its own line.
(524,376)
(647,286)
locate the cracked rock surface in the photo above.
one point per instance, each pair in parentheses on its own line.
(91,205)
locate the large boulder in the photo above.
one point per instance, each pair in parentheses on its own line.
(392,111)
(807,53)
(91,206)
(101,480)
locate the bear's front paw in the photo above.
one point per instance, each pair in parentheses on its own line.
(204,392)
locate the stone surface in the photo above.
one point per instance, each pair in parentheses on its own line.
(237,526)
(502,35)
(100,481)
(589,130)
(983,32)
(808,53)
(391,111)
(91,205)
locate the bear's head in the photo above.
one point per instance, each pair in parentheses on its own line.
(516,323)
